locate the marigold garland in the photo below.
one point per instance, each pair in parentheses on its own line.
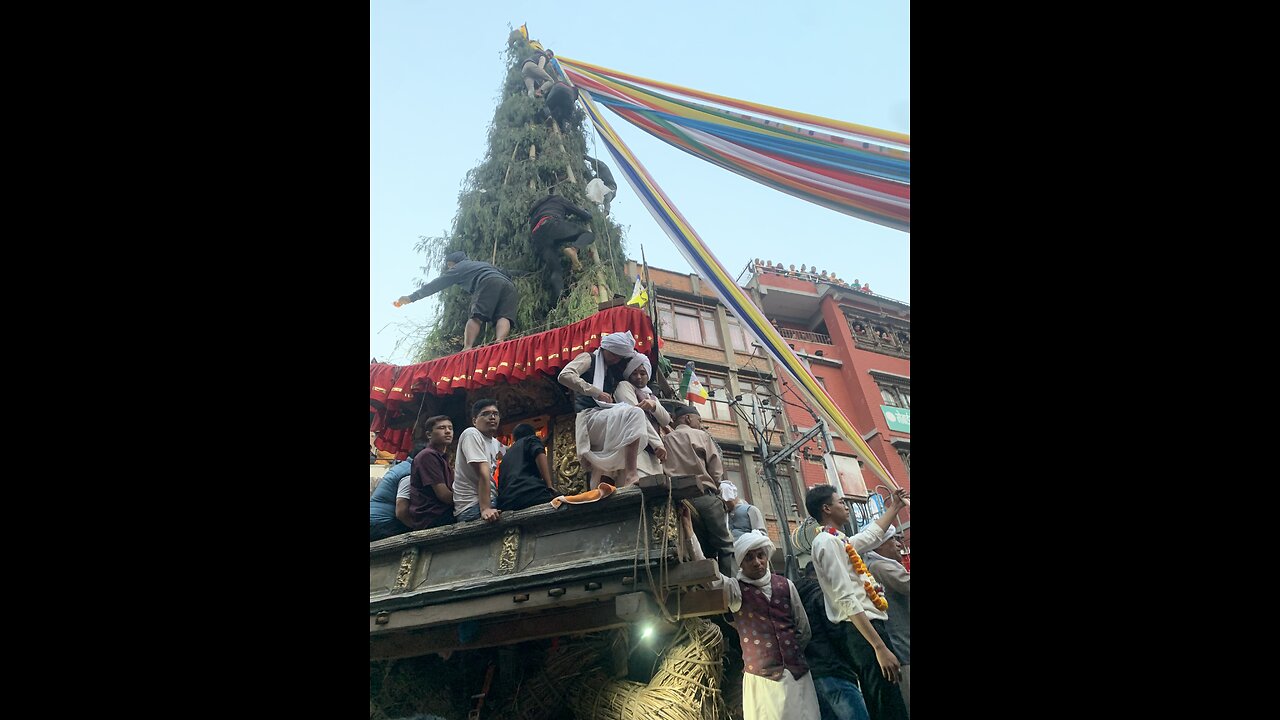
(859,567)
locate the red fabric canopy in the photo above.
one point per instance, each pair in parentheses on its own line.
(391,386)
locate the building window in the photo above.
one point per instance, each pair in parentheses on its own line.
(886,337)
(741,341)
(895,395)
(869,511)
(733,472)
(717,405)
(688,323)
(906,460)
(758,393)
(794,511)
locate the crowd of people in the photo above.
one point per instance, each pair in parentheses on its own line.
(809,273)
(833,645)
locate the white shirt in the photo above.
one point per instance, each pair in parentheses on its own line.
(841,586)
(473,446)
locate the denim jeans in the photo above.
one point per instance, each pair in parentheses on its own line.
(840,699)
(471,513)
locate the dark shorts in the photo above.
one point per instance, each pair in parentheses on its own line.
(495,297)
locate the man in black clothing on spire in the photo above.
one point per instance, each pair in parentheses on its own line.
(493,295)
(551,231)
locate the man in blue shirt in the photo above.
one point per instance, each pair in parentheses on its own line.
(392,491)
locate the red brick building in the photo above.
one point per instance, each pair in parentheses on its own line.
(858,346)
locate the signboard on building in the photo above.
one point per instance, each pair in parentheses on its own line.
(850,475)
(898,418)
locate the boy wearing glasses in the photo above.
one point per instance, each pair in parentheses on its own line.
(478,451)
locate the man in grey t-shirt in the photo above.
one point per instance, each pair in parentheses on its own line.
(478,451)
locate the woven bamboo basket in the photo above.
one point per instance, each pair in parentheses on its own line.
(685,687)
(542,696)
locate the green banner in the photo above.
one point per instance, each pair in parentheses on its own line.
(898,418)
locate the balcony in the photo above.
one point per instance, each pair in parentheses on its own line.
(805,336)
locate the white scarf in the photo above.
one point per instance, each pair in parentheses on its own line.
(621,344)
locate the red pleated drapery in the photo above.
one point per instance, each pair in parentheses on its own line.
(391,386)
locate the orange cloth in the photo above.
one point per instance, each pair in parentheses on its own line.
(602,491)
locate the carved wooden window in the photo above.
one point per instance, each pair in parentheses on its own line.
(879,335)
(895,395)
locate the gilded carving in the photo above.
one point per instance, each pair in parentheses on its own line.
(408,559)
(510,551)
(569,478)
(661,522)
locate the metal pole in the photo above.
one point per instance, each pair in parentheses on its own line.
(833,475)
(762,439)
(653,305)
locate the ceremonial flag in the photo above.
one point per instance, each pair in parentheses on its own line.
(639,294)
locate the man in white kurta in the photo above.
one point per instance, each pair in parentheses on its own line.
(773,629)
(635,391)
(608,434)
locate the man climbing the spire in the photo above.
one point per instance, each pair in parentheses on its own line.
(602,187)
(493,295)
(551,230)
(560,102)
(534,68)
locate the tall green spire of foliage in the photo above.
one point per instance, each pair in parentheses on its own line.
(527,154)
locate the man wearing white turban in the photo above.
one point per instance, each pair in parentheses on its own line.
(773,629)
(608,435)
(635,391)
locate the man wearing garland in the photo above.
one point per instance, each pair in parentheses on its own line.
(852,600)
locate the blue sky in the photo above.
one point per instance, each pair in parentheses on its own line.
(435,71)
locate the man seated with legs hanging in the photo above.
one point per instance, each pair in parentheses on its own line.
(552,233)
(534,70)
(608,435)
(635,391)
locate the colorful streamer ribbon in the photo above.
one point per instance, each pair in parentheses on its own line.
(709,268)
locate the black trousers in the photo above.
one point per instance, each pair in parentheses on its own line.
(883,698)
(549,239)
(712,532)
